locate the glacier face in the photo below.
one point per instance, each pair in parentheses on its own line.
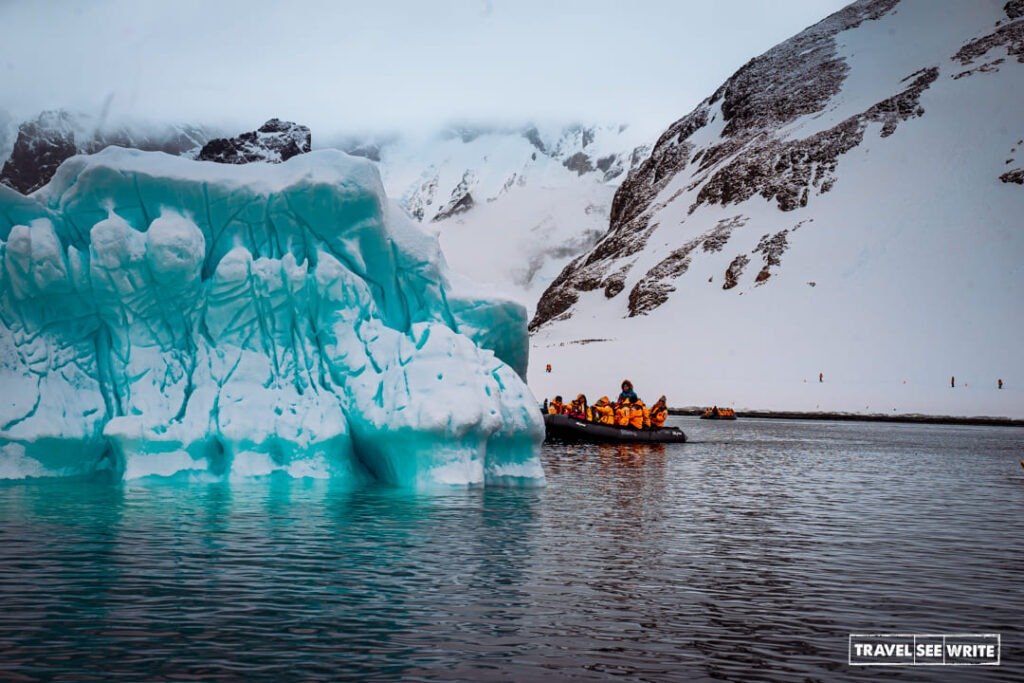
(162,316)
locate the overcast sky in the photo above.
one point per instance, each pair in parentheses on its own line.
(384,64)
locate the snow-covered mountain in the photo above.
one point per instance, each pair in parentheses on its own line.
(848,203)
(511,206)
(275,141)
(35,149)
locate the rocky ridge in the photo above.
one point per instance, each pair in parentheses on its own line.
(275,141)
(742,142)
(45,142)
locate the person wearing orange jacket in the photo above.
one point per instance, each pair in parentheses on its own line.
(579,409)
(658,413)
(636,414)
(604,412)
(622,414)
(556,407)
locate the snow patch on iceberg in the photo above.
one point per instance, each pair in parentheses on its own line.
(162,316)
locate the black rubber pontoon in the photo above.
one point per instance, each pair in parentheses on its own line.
(565,428)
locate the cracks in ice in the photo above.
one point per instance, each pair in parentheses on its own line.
(31,412)
(164,350)
(142,202)
(111,398)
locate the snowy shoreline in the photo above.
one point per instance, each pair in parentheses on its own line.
(906,418)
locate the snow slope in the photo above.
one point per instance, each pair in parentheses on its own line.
(511,206)
(848,203)
(160,315)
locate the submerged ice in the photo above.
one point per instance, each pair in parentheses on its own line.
(160,315)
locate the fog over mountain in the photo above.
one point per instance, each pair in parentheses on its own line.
(360,66)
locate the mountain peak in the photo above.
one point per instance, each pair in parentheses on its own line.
(275,141)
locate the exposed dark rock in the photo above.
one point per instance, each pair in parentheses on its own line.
(1010,36)
(1014,176)
(42,145)
(669,156)
(615,283)
(54,136)
(460,200)
(716,238)
(735,270)
(584,342)
(554,304)
(1014,9)
(646,296)
(785,171)
(654,288)
(275,141)
(771,248)
(987,67)
(462,205)
(579,162)
(621,242)
(795,78)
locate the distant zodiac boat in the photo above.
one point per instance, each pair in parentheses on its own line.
(718,414)
(565,428)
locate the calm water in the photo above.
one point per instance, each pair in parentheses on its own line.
(749,554)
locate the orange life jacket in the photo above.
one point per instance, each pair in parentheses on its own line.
(605,414)
(658,415)
(636,416)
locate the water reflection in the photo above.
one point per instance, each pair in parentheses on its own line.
(749,553)
(631,454)
(207,580)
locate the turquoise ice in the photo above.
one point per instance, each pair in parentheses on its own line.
(162,316)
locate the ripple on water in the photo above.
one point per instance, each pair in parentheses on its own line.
(749,553)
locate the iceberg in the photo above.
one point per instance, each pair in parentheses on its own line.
(163,316)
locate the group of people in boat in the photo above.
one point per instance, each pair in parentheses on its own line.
(628,411)
(716,413)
